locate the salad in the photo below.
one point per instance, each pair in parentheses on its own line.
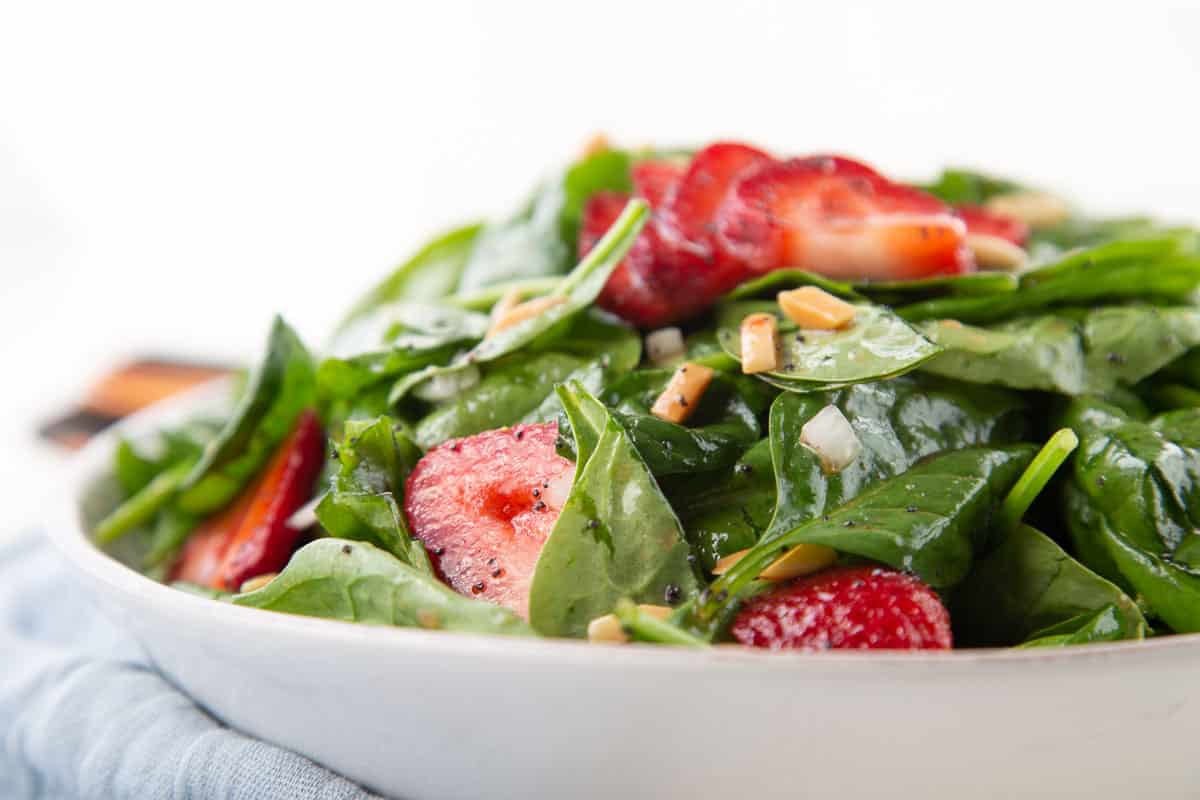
(690,397)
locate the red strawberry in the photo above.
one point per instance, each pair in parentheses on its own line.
(840,218)
(689,210)
(653,180)
(484,505)
(862,608)
(988,223)
(627,293)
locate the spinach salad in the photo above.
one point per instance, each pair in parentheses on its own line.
(698,396)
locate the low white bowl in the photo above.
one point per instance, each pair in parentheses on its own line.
(435,715)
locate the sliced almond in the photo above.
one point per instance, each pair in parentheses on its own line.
(598,143)
(257,582)
(760,343)
(607,629)
(1035,209)
(527,310)
(683,393)
(816,309)
(803,559)
(994,252)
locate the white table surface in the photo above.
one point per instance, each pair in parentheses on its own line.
(171,175)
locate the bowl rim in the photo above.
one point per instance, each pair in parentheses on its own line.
(67,532)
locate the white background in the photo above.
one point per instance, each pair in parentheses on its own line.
(170,175)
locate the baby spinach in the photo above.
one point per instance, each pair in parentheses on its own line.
(541,238)
(898,422)
(1028,590)
(1133,505)
(723,425)
(1072,352)
(364,497)
(430,274)
(616,537)
(778,280)
(1162,270)
(358,582)
(958,186)
(283,385)
(886,292)
(877,345)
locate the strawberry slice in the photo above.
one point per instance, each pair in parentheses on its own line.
(653,180)
(251,537)
(840,218)
(629,293)
(689,210)
(989,223)
(484,505)
(850,607)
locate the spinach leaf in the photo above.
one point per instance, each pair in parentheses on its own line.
(1029,589)
(540,240)
(363,501)
(877,345)
(1073,352)
(358,582)
(282,386)
(616,537)
(929,520)
(1151,269)
(430,274)
(898,422)
(779,280)
(957,186)
(1133,505)
(723,425)
(885,292)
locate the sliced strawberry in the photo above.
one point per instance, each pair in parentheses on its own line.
(251,537)
(627,293)
(839,218)
(851,608)
(989,223)
(653,180)
(484,505)
(689,210)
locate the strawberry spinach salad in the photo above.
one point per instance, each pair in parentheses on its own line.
(715,395)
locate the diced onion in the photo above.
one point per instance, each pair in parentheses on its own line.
(830,435)
(664,346)
(448,385)
(557,490)
(305,516)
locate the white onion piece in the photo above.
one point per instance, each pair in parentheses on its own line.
(556,493)
(664,345)
(305,516)
(444,387)
(830,435)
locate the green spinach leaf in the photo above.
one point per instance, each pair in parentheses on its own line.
(364,497)
(358,582)
(1028,589)
(283,385)
(877,345)
(616,537)
(957,186)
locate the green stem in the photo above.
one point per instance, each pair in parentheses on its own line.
(142,507)
(642,627)
(484,299)
(1036,476)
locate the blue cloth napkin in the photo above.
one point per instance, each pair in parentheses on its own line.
(82,714)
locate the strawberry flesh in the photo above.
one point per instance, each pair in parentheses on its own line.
(846,608)
(484,505)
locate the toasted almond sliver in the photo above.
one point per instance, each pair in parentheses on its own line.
(1035,209)
(527,310)
(803,559)
(598,143)
(257,582)
(725,564)
(816,309)
(994,252)
(760,343)
(683,393)
(608,628)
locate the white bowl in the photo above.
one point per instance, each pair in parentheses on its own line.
(435,715)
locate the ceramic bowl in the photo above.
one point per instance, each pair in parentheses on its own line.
(420,714)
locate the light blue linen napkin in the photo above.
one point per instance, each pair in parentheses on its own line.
(82,714)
